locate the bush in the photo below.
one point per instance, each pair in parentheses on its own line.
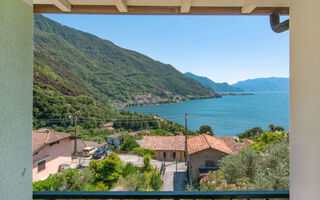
(107,170)
(267,169)
(156,180)
(70,180)
(129,169)
(216,181)
(267,138)
(273,168)
(128,143)
(241,165)
(146,163)
(144,151)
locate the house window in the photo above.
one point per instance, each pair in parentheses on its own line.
(174,155)
(41,165)
(164,155)
(211,163)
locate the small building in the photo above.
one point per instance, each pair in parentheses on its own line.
(205,151)
(114,139)
(168,148)
(50,149)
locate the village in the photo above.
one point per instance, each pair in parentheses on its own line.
(180,159)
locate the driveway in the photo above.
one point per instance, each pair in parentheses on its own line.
(175,173)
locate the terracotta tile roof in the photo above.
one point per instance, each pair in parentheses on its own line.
(109,124)
(204,141)
(233,145)
(164,143)
(42,137)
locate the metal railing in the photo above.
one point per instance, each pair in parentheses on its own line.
(163,195)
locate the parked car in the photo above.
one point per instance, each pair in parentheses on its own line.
(100,153)
(88,151)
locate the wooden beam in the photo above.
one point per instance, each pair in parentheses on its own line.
(185,6)
(63,5)
(248,6)
(121,5)
(153,10)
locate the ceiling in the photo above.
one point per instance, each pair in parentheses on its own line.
(163,7)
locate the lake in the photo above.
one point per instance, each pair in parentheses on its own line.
(228,115)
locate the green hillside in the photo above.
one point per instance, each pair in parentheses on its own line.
(76,73)
(105,71)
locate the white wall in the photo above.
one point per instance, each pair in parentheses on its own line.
(305,99)
(16,21)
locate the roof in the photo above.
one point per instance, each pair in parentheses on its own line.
(81,144)
(114,136)
(109,124)
(164,143)
(43,137)
(204,141)
(133,133)
(233,145)
(164,7)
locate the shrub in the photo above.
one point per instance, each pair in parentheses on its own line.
(144,151)
(216,181)
(128,143)
(241,165)
(266,170)
(156,180)
(273,168)
(71,180)
(146,163)
(129,169)
(268,137)
(107,170)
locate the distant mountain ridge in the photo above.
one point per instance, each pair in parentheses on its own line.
(264,84)
(218,87)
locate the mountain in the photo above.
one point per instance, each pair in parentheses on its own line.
(106,72)
(218,87)
(264,84)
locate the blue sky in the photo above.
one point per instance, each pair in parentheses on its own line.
(222,48)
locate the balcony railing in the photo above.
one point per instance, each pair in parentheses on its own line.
(163,195)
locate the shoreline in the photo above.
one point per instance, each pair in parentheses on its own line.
(235,94)
(127,105)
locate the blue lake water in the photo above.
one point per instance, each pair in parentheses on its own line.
(228,115)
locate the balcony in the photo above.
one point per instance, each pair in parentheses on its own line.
(164,195)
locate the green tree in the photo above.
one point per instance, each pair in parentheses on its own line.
(206,129)
(146,163)
(107,170)
(274,128)
(128,143)
(251,133)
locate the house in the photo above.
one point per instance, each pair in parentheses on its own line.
(204,153)
(108,126)
(50,149)
(168,148)
(114,139)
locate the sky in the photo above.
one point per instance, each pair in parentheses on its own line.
(222,48)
